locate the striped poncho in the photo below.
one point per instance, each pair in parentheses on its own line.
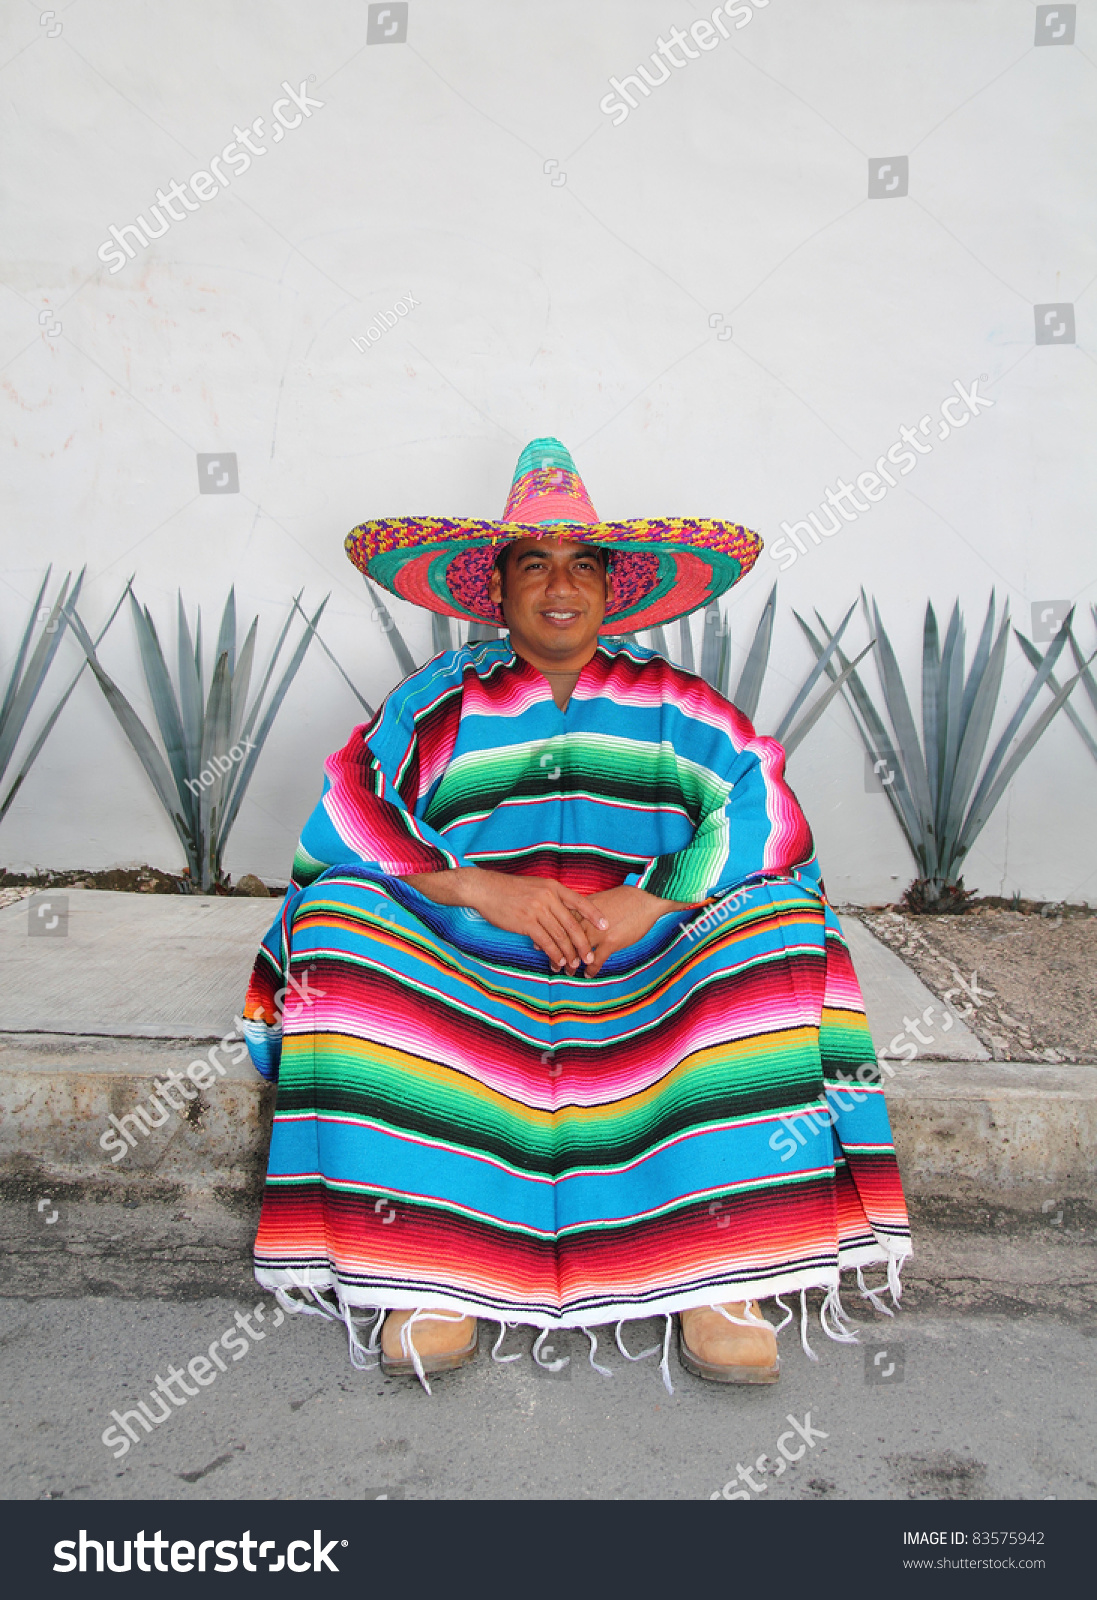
(456,1124)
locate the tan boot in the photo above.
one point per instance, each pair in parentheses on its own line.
(727,1352)
(443,1340)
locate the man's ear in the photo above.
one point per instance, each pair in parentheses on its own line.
(495,586)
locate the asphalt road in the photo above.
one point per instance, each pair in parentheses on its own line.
(984,1386)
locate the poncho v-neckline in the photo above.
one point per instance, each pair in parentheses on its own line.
(533,674)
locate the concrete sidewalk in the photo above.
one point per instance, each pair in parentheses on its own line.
(105,992)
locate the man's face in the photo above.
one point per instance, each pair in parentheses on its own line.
(554,600)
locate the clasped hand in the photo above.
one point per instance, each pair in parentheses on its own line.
(572,929)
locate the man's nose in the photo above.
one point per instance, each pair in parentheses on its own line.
(561,580)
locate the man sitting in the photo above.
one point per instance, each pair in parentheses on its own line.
(530,1079)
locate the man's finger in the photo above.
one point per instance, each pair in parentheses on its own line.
(568,932)
(548,946)
(583,907)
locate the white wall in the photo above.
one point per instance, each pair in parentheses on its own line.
(596,308)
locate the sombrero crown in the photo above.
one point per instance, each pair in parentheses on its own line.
(662,567)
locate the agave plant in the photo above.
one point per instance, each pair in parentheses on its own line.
(716,668)
(27,677)
(1089,684)
(940,788)
(210,749)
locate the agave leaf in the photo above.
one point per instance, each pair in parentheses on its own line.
(813,677)
(190,693)
(27,687)
(951,696)
(882,748)
(715,632)
(931,700)
(659,641)
(976,734)
(978,665)
(141,740)
(226,638)
(906,735)
(247,766)
(366,707)
(47,726)
(804,727)
(481,631)
(1088,682)
(723,670)
(21,653)
(164,704)
(877,742)
(749,688)
(249,721)
(441,633)
(685,643)
(978,815)
(1034,659)
(215,744)
(986,782)
(877,737)
(404,658)
(241,680)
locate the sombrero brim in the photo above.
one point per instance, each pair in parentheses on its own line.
(663,567)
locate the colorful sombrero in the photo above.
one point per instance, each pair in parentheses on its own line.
(662,567)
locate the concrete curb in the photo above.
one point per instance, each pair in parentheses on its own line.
(996,1130)
(1000,1132)
(58,1093)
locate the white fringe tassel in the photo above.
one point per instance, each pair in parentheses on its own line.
(749,1321)
(605,1371)
(644,1354)
(664,1365)
(842,1331)
(872,1295)
(407,1342)
(364,1357)
(808,1351)
(895,1288)
(495,1356)
(785,1309)
(549,1366)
